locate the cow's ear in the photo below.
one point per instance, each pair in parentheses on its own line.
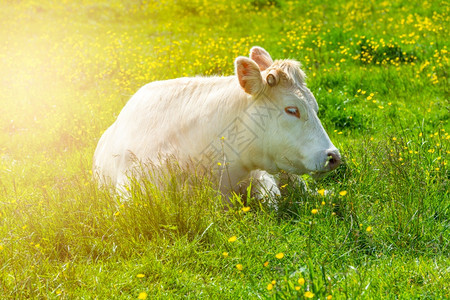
(261,57)
(249,75)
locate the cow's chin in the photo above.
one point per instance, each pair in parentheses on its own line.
(316,175)
(298,169)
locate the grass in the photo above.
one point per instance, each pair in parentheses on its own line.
(379,70)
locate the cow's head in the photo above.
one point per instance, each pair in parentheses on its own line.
(294,140)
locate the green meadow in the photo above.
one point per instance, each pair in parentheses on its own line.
(375,228)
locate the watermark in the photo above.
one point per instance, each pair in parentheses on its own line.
(261,112)
(239,134)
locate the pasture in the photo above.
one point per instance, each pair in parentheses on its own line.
(379,71)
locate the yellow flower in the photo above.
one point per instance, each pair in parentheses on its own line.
(279,255)
(246,209)
(301,281)
(140,275)
(343,193)
(314,211)
(219,164)
(273,282)
(321,192)
(269,286)
(232,239)
(142,295)
(297,288)
(266,264)
(329,297)
(1,247)
(225,254)
(323,203)
(369,229)
(309,294)
(239,267)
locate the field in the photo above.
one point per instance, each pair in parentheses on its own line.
(379,70)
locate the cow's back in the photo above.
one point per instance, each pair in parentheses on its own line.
(165,118)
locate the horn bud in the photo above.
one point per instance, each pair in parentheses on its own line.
(273,78)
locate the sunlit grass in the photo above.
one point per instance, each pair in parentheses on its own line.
(375,228)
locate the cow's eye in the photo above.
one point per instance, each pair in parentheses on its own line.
(293,111)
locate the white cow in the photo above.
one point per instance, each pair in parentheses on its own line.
(256,123)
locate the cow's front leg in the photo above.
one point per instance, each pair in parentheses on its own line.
(265,186)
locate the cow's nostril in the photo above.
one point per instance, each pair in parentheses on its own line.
(334,160)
